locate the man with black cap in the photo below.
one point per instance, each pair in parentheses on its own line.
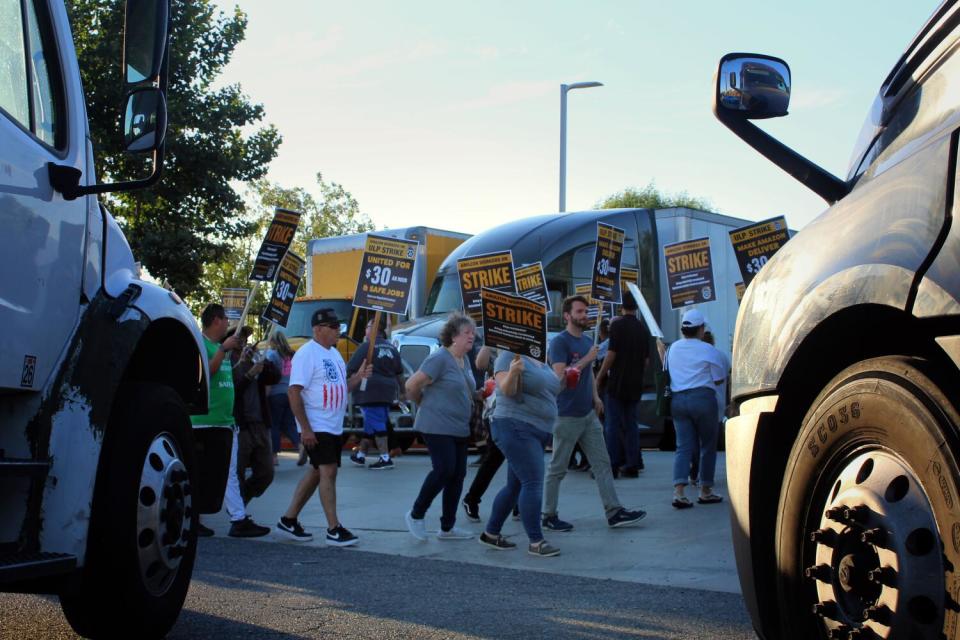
(318,393)
(626,359)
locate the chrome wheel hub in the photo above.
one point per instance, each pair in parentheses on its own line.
(164,512)
(878,569)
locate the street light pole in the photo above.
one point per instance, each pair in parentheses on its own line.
(564,88)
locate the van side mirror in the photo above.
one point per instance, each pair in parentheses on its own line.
(753,86)
(144,120)
(144,40)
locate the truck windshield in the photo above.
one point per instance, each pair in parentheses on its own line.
(445,294)
(299,323)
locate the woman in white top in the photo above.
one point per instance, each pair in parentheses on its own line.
(696,369)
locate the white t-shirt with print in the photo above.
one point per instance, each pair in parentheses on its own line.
(323,375)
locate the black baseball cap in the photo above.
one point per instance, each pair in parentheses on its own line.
(326,316)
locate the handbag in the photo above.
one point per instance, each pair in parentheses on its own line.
(662,380)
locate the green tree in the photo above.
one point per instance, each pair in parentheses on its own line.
(194,215)
(651,198)
(336,212)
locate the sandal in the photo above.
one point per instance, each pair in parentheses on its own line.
(710,498)
(682,502)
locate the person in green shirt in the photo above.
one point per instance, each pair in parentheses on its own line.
(214,324)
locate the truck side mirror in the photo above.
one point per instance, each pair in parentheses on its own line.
(144,40)
(144,120)
(764,86)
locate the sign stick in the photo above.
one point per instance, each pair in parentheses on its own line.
(246,309)
(596,328)
(371,347)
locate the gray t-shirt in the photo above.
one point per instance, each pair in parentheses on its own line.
(447,402)
(537,402)
(566,349)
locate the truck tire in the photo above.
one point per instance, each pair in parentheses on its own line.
(142,540)
(868,534)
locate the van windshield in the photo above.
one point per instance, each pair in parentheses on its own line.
(299,323)
(444,295)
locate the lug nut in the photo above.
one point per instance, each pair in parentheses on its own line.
(880,613)
(827,537)
(874,536)
(826,609)
(884,575)
(840,633)
(858,513)
(821,572)
(836,514)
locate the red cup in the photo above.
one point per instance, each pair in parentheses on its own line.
(573,377)
(488,387)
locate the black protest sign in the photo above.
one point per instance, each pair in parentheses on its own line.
(593,305)
(531,284)
(689,272)
(628,274)
(386,272)
(605,284)
(284,289)
(491,270)
(275,245)
(756,243)
(514,323)
(234,301)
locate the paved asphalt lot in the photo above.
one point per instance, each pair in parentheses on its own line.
(645,582)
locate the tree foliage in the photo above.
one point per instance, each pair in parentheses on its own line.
(335,212)
(194,215)
(650,197)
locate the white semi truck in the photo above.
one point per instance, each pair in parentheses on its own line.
(102,478)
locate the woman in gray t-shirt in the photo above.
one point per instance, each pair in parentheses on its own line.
(445,389)
(522,423)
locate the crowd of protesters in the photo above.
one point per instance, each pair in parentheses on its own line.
(531,405)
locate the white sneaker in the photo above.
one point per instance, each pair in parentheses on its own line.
(455,534)
(417,528)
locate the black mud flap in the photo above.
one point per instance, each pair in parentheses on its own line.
(213,463)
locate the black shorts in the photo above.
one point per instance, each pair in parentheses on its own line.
(326,451)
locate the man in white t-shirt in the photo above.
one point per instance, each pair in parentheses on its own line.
(318,393)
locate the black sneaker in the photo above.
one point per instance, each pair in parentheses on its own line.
(629,472)
(381,464)
(293,530)
(360,461)
(472,510)
(496,542)
(625,518)
(339,536)
(556,524)
(247,528)
(204,532)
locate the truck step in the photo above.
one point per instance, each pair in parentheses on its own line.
(15,567)
(23,467)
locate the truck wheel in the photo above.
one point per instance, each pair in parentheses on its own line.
(142,541)
(868,534)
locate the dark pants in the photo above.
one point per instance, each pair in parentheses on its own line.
(254,453)
(621,433)
(492,460)
(283,421)
(448,455)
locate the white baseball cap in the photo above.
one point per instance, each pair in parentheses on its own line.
(692,318)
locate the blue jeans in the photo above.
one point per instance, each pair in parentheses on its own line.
(621,432)
(695,420)
(282,421)
(522,444)
(448,454)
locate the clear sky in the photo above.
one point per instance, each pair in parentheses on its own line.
(446,113)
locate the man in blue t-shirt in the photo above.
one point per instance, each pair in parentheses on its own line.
(577,422)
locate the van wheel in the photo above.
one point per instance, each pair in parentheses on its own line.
(868,534)
(142,541)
